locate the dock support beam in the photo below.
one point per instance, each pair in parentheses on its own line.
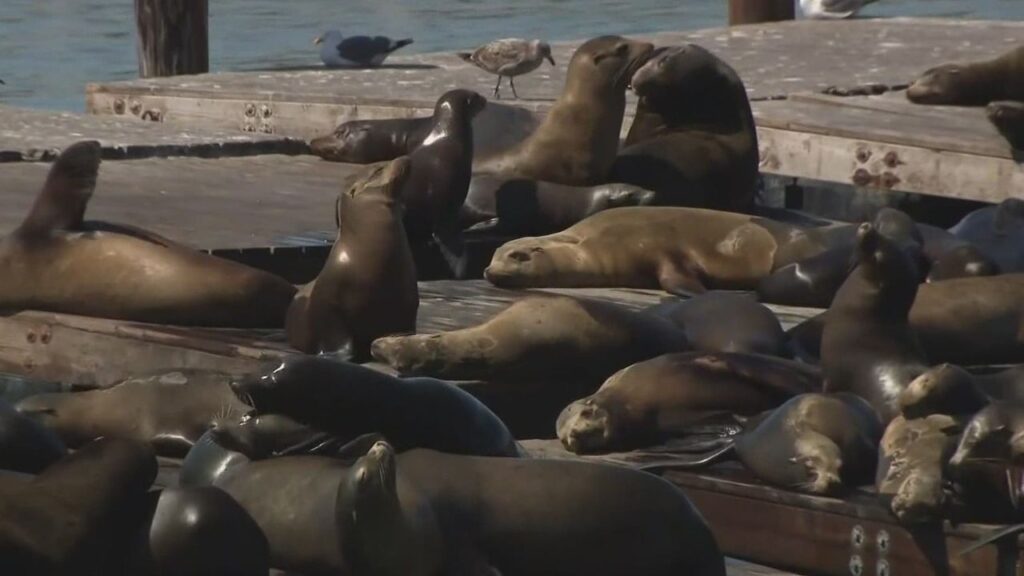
(757,11)
(173,37)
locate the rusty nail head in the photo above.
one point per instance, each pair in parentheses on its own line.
(45,338)
(862,177)
(856,565)
(857,536)
(882,539)
(892,159)
(31,337)
(250,110)
(119,106)
(863,155)
(265,111)
(135,106)
(882,568)
(890,180)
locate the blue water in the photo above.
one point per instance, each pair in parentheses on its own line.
(49,49)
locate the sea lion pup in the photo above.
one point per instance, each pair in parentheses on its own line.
(371,141)
(367,288)
(76,516)
(680,250)
(440,170)
(541,337)
(912,458)
(348,400)
(943,389)
(725,322)
(25,444)
(426,513)
(169,411)
(973,84)
(665,397)
(995,433)
(200,532)
(55,262)
(693,139)
(578,140)
(867,345)
(1008,118)
(998,231)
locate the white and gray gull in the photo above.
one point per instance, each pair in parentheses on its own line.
(356,51)
(832,9)
(509,57)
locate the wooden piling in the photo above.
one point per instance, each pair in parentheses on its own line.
(757,11)
(173,37)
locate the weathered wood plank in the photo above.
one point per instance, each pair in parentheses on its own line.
(30,135)
(172,37)
(758,11)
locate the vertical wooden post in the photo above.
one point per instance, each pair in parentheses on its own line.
(173,37)
(756,11)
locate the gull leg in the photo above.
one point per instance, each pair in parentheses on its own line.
(497,87)
(512,82)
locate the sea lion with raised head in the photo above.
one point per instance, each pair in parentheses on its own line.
(348,400)
(77,515)
(693,139)
(367,288)
(56,262)
(867,345)
(425,513)
(725,322)
(168,411)
(578,140)
(370,141)
(665,397)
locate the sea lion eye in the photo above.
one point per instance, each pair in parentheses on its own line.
(519,256)
(621,50)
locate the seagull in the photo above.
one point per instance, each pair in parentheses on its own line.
(356,51)
(832,9)
(509,57)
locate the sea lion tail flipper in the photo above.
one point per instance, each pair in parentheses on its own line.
(993,536)
(675,281)
(69,185)
(657,460)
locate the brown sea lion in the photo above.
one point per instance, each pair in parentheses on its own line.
(367,288)
(912,458)
(54,261)
(693,139)
(943,389)
(578,140)
(867,345)
(169,411)
(652,401)
(426,513)
(972,84)
(370,141)
(541,337)
(1008,118)
(725,322)
(78,514)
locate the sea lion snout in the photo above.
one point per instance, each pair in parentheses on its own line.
(584,427)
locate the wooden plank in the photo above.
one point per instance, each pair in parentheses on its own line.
(173,37)
(32,135)
(758,11)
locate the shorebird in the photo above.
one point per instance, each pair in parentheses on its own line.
(356,51)
(832,9)
(509,57)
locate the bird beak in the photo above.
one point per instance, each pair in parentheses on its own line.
(318,40)
(550,59)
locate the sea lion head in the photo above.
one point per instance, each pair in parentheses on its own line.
(687,67)
(371,484)
(889,269)
(346,144)
(951,84)
(381,182)
(61,412)
(944,389)
(524,261)
(606,63)
(262,391)
(466,103)
(585,427)
(822,463)
(1008,118)
(962,262)
(920,498)
(989,436)
(258,436)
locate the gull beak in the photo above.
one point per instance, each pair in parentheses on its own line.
(318,40)
(550,59)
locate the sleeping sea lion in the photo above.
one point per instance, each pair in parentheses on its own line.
(725,322)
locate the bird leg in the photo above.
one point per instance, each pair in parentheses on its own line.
(497,87)
(512,82)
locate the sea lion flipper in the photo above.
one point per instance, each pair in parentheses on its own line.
(993,536)
(69,185)
(675,281)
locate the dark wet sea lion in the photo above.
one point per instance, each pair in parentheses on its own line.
(207,461)
(972,84)
(693,139)
(53,262)
(542,337)
(293,501)
(367,288)
(169,411)
(995,433)
(523,206)
(867,345)
(952,257)
(912,457)
(348,400)
(369,141)
(943,389)
(725,322)
(1008,118)
(25,444)
(201,532)
(426,513)
(664,397)
(77,515)
(578,140)
(998,231)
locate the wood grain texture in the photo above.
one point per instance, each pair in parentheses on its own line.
(172,37)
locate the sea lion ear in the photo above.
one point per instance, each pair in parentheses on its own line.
(69,186)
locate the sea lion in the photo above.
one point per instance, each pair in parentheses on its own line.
(55,262)
(693,139)
(725,322)
(998,231)
(207,461)
(542,337)
(652,401)
(169,411)
(25,444)
(867,345)
(951,257)
(912,458)
(521,206)
(76,516)
(943,389)
(200,532)
(1008,118)
(680,250)
(426,513)
(995,433)
(293,501)
(578,140)
(972,84)
(367,288)
(370,141)
(348,400)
